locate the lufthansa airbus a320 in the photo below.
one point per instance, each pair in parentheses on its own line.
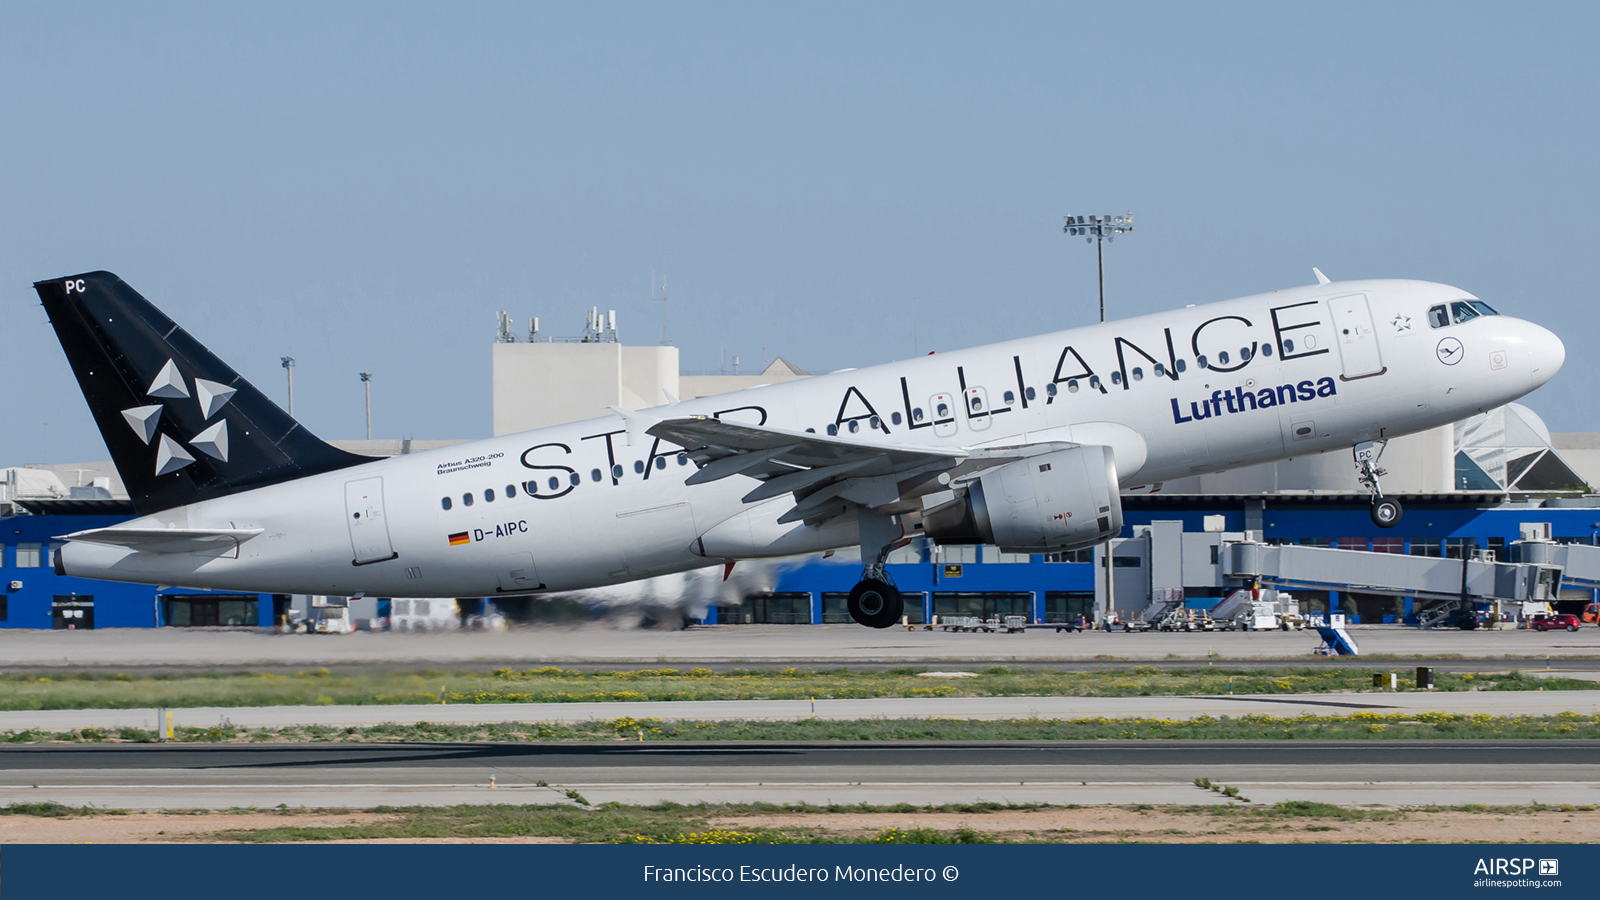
(1025,444)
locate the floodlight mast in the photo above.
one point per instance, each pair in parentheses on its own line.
(288,368)
(1100,229)
(366,382)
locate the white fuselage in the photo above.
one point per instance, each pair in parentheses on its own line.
(1287,374)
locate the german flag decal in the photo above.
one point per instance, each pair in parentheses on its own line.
(458,538)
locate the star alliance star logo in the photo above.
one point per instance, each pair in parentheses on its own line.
(169,385)
(1401,323)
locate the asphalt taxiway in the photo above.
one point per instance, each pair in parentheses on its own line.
(1375,773)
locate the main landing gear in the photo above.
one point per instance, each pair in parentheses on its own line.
(875,602)
(1386,512)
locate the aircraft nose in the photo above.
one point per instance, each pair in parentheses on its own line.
(1546,353)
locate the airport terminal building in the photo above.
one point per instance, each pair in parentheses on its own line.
(1470,491)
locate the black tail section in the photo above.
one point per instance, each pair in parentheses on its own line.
(181,425)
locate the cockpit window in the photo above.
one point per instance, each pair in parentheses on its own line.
(1438,317)
(1462,310)
(1483,307)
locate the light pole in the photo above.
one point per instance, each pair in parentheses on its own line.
(366,382)
(288,369)
(1100,229)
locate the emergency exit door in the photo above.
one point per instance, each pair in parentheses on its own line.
(369,528)
(1358,340)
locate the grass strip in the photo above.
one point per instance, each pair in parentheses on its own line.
(110,690)
(670,823)
(1355,726)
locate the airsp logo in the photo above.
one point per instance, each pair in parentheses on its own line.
(168,384)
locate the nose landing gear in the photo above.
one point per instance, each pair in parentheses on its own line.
(1386,512)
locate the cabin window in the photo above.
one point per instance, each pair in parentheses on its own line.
(1266,349)
(488,495)
(1462,311)
(1438,317)
(943,410)
(1010,397)
(833,430)
(1116,377)
(916,414)
(1051,389)
(444,502)
(976,403)
(1159,370)
(1072,386)
(555,483)
(683,458)
(531,487)
(1181,366)
(811,431)
(573,479)
(594,474)
(875,422)
(1222,357)
(616,471)
(466,499)
(1288,345)
(1200,361)
(1094,381)
(894,417)
(854,426)
(638,467)
(1138,374)
(1029,393)
(661,462)
(1244,354)
(511,491)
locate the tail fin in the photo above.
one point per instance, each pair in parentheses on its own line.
(180,424)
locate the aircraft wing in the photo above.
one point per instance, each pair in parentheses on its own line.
(827,475)
(168,540)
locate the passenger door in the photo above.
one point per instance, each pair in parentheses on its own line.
(1358,340)
(369,528)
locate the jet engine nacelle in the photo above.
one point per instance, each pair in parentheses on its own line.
(1063,500)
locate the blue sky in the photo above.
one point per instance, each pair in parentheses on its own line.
(364,185)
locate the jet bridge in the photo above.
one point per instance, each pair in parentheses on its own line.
(1151,573)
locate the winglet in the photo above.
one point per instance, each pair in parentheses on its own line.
(672,399)
(637,423)
(1321,278)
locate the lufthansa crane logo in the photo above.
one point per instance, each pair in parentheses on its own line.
(168,384)
(1450,351)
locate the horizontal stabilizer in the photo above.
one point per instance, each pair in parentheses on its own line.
(168,540)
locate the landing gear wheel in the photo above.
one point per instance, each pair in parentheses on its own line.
(1386,513)
(875,604)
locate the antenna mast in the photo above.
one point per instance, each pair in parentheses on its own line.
(663,301)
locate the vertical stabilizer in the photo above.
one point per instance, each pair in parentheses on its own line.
(181,425)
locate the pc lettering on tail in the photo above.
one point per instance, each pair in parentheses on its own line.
(1026,445)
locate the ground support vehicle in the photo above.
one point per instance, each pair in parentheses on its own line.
(1565,621)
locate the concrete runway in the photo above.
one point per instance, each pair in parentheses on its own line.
(769,644)
(1377,773)
(1494,703)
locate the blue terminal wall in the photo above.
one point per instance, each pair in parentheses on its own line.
(1290,521)
(120,605)
(116,604)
